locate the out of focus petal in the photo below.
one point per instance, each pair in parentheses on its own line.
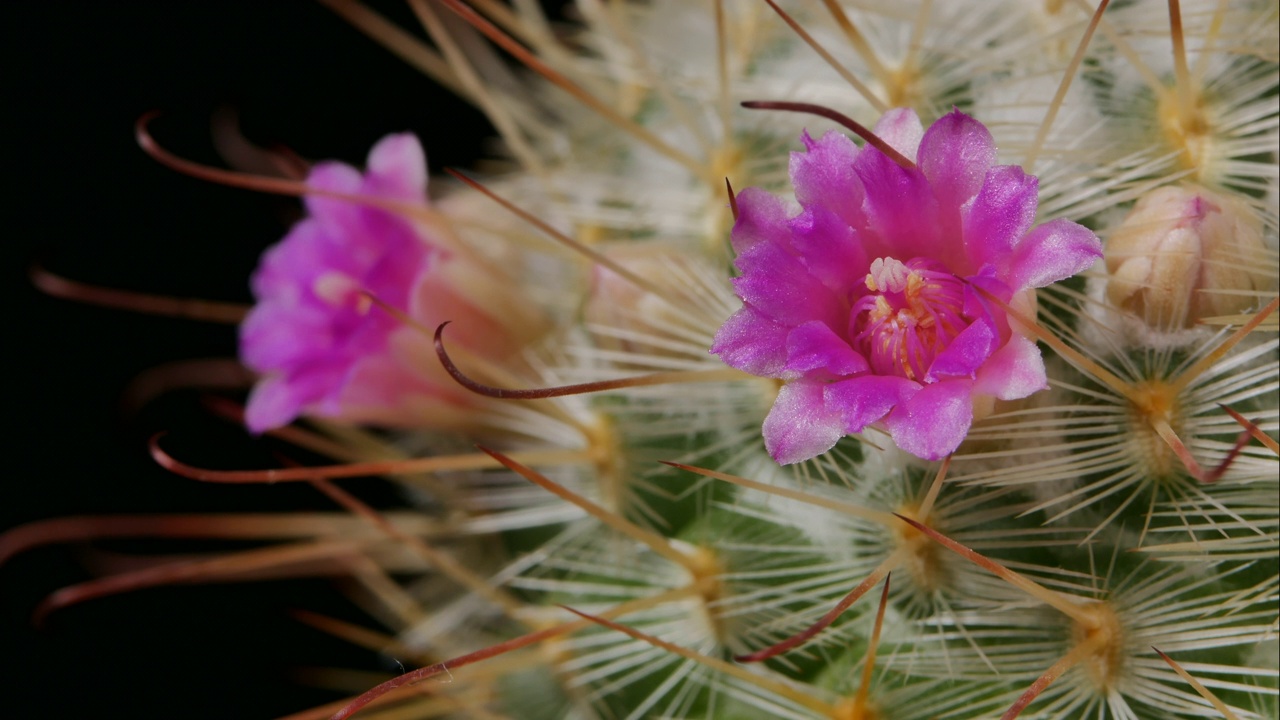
(339,178)
(398,167)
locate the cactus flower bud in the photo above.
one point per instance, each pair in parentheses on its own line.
(1184,254)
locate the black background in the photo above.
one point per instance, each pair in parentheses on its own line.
(81,197)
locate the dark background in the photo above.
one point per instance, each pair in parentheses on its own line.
(81,197)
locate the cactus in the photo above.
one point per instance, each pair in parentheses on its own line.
(1102,543)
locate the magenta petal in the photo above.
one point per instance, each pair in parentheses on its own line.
(278,400)
(933,423)
(1053,251)
(778,284)
(272,404)
(1012,372)
(901,128)
(864,400)
(955,154)
(338,213)
(966,353)
(1000,216)
(829,249)
(901,211)
(752,343)
(275,337)
(814,346)
(823,176)
(405,259)
(762,219)
(992,285)
(800,426)
(287,268)
(397,167)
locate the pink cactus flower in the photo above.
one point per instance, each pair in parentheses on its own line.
(322,346)
(866,303)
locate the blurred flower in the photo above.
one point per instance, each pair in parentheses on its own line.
(315,333)
(869,302)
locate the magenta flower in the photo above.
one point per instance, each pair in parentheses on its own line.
(322,346)
(866,302)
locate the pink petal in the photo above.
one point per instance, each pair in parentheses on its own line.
(823,176)
(277,400)
(829,249)
(901,212)
(380,383)
(800,426)
(989,282)
(933,423)
(397,167)
(955,154)
(813,349)
(1053,251)
(778,284)
(762,219)
(1000,216)
(752,343)
(435,298)
(864,400)
(901,128)
(966,352)
(403,261)
(272,404)
(335,177)
(275,337)
(286,266)
(1012,372)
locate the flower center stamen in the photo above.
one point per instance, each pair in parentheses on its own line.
(912,312)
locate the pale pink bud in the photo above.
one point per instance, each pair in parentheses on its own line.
(1184,254)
